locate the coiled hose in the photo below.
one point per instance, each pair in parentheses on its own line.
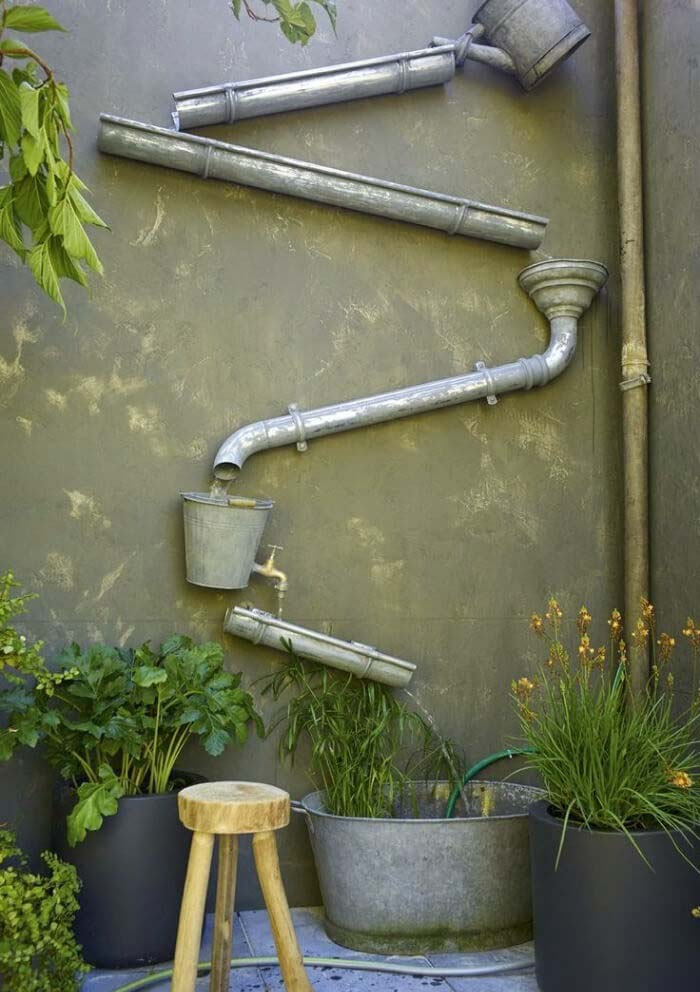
(347,964)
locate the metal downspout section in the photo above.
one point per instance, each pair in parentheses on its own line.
(561,289)
(635,360)
(211,159)
(361,660)
(525,38)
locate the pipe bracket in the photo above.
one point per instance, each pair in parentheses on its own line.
(639,380)
(491,397)
(231,98)
(296,416)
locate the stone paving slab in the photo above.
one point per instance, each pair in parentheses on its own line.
(252,937)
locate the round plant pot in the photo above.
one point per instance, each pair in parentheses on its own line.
(132,871)
(606,922)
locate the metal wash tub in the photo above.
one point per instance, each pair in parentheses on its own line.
(421,883)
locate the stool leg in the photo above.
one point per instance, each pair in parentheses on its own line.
(268,867)
(189,930)
(223,919)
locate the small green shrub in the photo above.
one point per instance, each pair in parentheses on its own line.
(366,747)
(608,761)
(114,721)
(38,952)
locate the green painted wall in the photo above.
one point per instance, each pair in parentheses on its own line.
(671,54)
(432,538)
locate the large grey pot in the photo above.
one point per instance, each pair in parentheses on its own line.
(422,883)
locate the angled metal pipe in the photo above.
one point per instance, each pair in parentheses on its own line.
(561,289)
(232,163)
(349,656)
(526,38)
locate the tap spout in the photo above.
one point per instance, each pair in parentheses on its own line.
(269,571)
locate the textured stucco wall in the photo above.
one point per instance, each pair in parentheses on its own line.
(671,78)
(431,537)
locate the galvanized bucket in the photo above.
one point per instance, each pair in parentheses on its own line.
(537,34)
(422,883)
(222,535)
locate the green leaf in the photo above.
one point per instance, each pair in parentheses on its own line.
(63,220)
(31,19)
(13,48)
(30,201)
(215,741)
(66,268)
(95,801)
(10,229)
(10,111)
(33,151)
(83,209)
(29,107)
(40,262)
(62,105)
(147,675)
(236,8)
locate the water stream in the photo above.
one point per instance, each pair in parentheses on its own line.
(448,758)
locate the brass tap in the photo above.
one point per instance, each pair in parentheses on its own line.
(268,570)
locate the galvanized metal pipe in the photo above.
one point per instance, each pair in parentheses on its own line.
(361,660)
(528,38)
(562,289)
(227,103)
(217,160)
(635,360)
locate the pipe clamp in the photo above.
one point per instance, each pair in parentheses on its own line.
(293,410)
(491,397)
(639,380)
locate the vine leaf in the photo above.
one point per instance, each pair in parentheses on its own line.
(31,19)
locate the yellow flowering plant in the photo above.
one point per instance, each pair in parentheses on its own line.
(607,762)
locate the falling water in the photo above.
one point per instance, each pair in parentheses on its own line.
(448,758)
(219,488)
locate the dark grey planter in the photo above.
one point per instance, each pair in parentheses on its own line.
(603,920)
(133,871)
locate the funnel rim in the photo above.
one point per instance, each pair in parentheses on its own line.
(561,263)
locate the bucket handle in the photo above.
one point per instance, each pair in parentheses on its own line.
(298,807)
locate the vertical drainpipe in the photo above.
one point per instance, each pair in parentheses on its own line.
(635,363)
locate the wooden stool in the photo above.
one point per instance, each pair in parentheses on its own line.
(229,809)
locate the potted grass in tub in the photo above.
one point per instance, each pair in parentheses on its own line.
(396,876)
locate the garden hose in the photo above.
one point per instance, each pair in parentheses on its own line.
(511,752)
(347,964)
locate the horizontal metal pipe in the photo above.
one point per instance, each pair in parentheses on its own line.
(232,163)
(230,102)
(348,656)
(562,289)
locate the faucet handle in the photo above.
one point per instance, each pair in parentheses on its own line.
(274,548)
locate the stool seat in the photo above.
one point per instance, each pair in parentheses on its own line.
(233,807)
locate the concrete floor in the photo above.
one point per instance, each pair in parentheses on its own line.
(252,937)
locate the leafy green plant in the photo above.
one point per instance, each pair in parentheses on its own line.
(366,747)
(295,17)
(608,762)
(114,721)
(43,199)
(38,951)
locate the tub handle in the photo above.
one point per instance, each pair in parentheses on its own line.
(298,807)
